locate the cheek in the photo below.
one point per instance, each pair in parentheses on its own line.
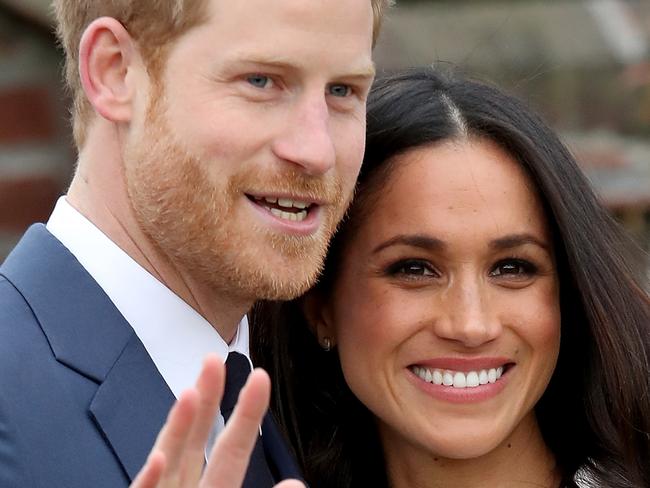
(357,324)
(349,140)
(539,325)
(365,346)
(371,325)
(355,320)
(220,130)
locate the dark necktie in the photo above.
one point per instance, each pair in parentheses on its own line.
(237,371)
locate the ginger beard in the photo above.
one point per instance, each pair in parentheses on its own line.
(198,219)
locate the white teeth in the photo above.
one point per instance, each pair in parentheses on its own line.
(285,202)
(294,217)
(492,375)
(437,377)
(458,379)
(483,377)
(288,203)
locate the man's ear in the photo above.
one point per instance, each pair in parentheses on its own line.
(318,316)
(107,54)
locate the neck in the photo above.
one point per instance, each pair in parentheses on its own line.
(523,459)
(98,191)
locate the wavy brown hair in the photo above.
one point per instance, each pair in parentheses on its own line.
(595,413)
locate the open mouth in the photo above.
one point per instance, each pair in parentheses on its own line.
(460,379)
(285,208)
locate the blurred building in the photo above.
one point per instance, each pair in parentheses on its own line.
(583,63)
(36,158)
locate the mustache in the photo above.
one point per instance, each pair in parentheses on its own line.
(327,188)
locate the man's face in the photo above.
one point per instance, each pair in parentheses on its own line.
(247,154)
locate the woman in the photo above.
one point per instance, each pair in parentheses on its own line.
(479,322)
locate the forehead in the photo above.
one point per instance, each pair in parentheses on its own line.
(455,190)
(334,29)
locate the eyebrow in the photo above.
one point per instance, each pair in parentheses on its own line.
(429,243)
(413,240)
(366,71)
(515,240)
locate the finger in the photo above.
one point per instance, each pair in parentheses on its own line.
(173,436)
(210,389)
(229,458)
(151,473)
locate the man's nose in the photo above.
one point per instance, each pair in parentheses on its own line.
(306,140)
(468,316)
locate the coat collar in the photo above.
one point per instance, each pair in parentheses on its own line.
(89,335)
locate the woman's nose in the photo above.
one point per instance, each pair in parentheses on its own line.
(468,316)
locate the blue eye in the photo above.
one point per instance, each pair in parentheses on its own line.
(340,90)
(259,81)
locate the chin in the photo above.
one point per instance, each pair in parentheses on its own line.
(285,276)
(464,452)
(283,285)
(463,447)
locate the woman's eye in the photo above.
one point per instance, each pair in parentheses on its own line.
(517,268)
(412,268)
(259,81)
(340,90)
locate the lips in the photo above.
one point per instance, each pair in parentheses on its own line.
(462,380)
(458,379)
(289,209)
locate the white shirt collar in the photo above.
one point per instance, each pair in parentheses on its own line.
(176,336)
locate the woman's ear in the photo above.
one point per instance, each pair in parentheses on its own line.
(106,57)
(318,316)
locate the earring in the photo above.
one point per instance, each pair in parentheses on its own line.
(326,344)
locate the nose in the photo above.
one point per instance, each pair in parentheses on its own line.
(467,316)
(306,139)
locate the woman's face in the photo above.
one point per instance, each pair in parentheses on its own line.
(446,307)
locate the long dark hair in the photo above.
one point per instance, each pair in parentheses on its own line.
(595,413)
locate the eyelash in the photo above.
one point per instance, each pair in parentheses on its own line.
(401,267)
(350,89)
(528,268)
(422,269)
(259,76)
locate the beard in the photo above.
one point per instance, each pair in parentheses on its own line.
(199,221)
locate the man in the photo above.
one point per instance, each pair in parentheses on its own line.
(219,142)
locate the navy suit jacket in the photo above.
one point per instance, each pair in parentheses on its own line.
(81,401)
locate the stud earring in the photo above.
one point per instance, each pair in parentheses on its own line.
(326,344)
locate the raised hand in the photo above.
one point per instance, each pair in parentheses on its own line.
(177,458)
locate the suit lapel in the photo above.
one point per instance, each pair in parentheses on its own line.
(277,452)
(82,326)
(131,406)
(89,335)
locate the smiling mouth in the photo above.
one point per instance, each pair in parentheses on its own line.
(459,379)
(285,208)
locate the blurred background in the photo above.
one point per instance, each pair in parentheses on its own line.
(584,64)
